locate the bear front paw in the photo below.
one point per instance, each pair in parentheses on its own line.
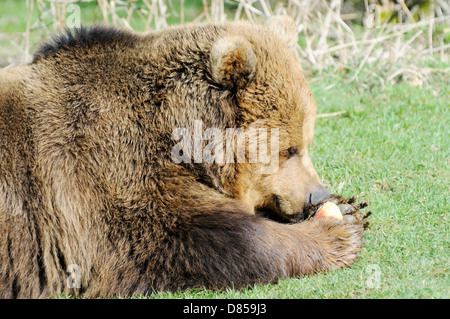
(340,240)
(349,242)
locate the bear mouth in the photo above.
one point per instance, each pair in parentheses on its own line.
(274,212)
(272,215)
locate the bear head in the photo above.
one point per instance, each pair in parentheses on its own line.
(272,94)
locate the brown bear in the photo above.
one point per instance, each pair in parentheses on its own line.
(94,198)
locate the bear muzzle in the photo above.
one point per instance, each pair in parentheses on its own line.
(318,196)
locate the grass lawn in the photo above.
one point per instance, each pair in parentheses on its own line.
(393,146)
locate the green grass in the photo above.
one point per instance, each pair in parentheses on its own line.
(392,145)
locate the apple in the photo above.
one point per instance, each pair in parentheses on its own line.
(329,209)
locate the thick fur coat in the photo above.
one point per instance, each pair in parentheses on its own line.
(92,203)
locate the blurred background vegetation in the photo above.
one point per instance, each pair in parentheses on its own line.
(370,42)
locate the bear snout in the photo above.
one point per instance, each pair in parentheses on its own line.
(282,210)
(318,196)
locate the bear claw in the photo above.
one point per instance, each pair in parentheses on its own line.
(349,208)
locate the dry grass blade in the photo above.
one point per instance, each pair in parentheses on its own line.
(330,114)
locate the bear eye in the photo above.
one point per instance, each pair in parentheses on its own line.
(292,151)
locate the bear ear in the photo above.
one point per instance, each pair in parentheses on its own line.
(232,62)
(286,29)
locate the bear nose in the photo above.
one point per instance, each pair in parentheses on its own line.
(319,196)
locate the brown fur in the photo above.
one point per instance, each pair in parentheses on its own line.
(86,176)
